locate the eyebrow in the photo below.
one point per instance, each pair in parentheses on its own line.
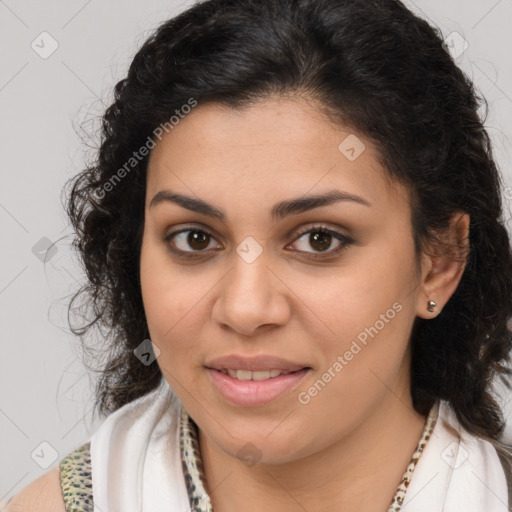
(279,211)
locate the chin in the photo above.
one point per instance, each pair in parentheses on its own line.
(253,450)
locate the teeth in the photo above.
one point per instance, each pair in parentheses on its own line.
(261,375)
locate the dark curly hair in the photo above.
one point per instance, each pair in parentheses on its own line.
(373,66)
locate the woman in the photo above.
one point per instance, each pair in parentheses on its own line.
(293,234)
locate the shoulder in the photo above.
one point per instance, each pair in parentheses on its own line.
(42,495)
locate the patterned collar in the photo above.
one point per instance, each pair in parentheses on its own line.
(194,471)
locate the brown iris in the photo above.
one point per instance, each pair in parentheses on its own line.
(198,237)
(322,239)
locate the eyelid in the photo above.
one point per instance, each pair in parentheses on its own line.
(189,227)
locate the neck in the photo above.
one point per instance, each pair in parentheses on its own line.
(358,472)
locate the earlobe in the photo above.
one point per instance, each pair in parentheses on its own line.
(445,267)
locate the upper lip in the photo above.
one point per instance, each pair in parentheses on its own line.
(259,363)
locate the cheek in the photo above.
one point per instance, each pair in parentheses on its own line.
(164,293)
(174,306)
(369,308)
(355,298)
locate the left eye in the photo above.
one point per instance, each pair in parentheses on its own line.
(321,238)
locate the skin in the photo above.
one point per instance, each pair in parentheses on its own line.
(349,446)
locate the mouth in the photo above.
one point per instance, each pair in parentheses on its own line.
(246,388)
(260,375)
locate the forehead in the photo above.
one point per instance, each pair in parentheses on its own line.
(272,148)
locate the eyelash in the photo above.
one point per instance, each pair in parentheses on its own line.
(346,241)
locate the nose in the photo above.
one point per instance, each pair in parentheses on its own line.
(251,296)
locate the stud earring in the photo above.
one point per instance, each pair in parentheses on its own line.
(431,305)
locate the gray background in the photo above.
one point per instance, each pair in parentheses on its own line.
(48,108)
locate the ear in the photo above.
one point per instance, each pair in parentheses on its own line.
(443,266)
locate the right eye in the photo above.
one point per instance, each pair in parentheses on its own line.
(195,238)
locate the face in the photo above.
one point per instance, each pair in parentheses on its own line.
(330,287)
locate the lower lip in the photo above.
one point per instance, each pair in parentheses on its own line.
(249,393)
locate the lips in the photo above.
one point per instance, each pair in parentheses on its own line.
(254,393)
(264,363)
